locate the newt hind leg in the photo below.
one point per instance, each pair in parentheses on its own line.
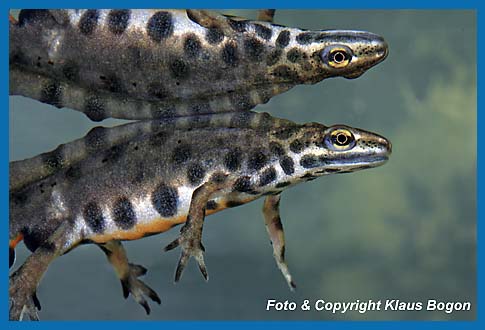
(271,212)
(128,274)
(24,281)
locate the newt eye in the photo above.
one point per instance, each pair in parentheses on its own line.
(340,139)
(337,56)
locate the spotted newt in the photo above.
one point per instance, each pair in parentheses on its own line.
(143,64)
(174,171)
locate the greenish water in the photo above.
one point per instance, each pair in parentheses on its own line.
(405,231)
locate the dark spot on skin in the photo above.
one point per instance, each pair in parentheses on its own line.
(33,238)
(285,133)
(214,36)
(233,203)
(276,149)
(179,69)
(157,90)
(181,154)
(241,101)
(199,120)
(165,111)
(111,83)
(19,198)
(114,153)
(287,165)
(118,20)
(283,184)
(192,46)
(33,16)
(93,215)
(51,94)
(296,146)
(195,174)
(304,38)
(70,70)
(218,177)
(229,54)
(123,213)
(263,31)
(135,53)
(283,39)
(94,108)
(243,184)
(73,173)
(53,160)
(267,176)
(88,22)
(17,57)
(309,161)
(254,49)
(237,25)
(233,159)
(286,73)
(95,139)
(200,109)
(241,119)
(257,160)
(158,139)
(139,176)
(308,177)
(294,55)
(160,26)
(165,200)
(273,57)
(211,205)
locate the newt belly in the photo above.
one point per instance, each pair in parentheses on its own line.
(143,64)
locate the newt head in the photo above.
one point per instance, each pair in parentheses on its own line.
(338,149)
(316,55)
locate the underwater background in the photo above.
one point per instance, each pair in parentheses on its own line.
(404,231)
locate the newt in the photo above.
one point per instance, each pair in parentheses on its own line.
(145,64)
(175,171)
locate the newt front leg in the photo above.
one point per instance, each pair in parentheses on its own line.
(190,239)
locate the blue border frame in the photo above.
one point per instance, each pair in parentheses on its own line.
(350,4)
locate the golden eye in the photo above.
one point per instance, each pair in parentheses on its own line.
(341,138)
(338,58)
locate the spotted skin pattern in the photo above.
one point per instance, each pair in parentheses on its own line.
(143,64)
(188,173)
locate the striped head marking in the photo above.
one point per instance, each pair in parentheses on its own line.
(337,149)
(351,53)
(316,55)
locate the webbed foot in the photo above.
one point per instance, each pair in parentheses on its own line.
(138,289)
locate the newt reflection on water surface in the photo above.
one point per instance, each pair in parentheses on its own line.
(143,64)
(174,171)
